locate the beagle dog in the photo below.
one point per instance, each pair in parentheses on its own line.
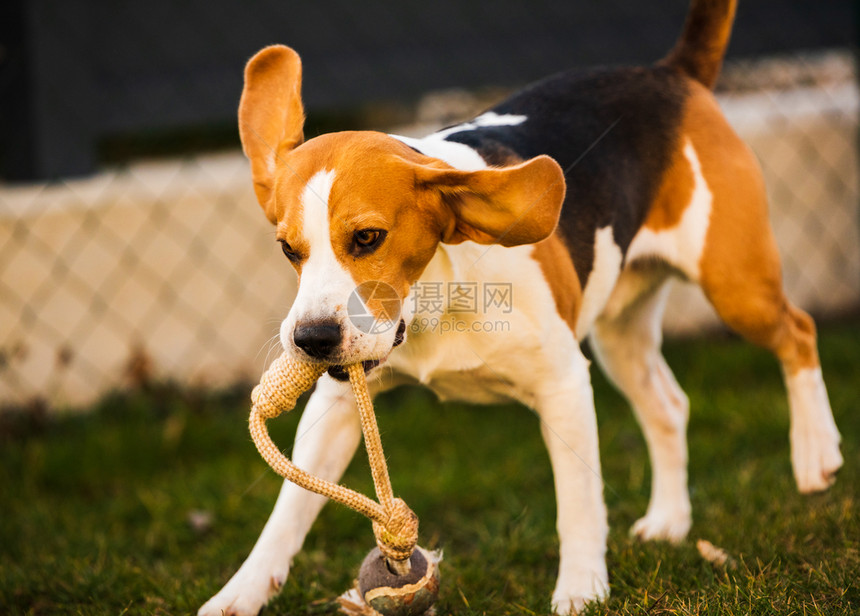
(574,201)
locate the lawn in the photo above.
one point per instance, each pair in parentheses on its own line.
(95,508)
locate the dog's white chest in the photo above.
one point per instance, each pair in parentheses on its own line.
(459,366)
(480,385)
(496,320)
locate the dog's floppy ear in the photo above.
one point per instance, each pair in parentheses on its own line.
(271,116)
(510,206)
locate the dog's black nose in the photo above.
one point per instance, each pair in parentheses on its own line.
(317,339)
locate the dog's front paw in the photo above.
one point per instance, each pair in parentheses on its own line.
(247,591)
(663,525)
(579,588)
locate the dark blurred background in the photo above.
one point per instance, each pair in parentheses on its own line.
(78,75)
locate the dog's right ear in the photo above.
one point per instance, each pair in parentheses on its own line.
(271,116)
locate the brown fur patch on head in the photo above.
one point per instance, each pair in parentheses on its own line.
(375,188)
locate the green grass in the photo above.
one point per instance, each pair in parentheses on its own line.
(95,508)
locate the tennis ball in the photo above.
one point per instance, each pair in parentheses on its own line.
(390,594)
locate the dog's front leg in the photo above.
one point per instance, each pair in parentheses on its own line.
(326,439)
(569,429)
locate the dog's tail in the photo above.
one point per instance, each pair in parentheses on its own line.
(700,50)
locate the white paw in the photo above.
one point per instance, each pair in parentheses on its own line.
(663,525)
(578,588)
(247,591)
(815,457)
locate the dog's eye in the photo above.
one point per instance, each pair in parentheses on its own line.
(365,241)
(291,254)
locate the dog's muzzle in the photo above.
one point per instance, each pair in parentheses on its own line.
(339,372)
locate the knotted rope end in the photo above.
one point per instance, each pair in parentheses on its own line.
(398,535)
(282,384)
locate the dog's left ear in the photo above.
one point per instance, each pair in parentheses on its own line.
(271,116)
(510,206)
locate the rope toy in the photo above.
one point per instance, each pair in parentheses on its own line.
(397,578)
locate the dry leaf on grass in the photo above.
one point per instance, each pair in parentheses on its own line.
(715,555)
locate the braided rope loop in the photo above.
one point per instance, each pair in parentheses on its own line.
(279,388)
(395,525)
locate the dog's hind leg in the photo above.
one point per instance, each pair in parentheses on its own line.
(626,342)
(740,272)
(745,288)
(326,439)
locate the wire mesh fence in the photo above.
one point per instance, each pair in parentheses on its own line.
(160,270)
(167,269)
